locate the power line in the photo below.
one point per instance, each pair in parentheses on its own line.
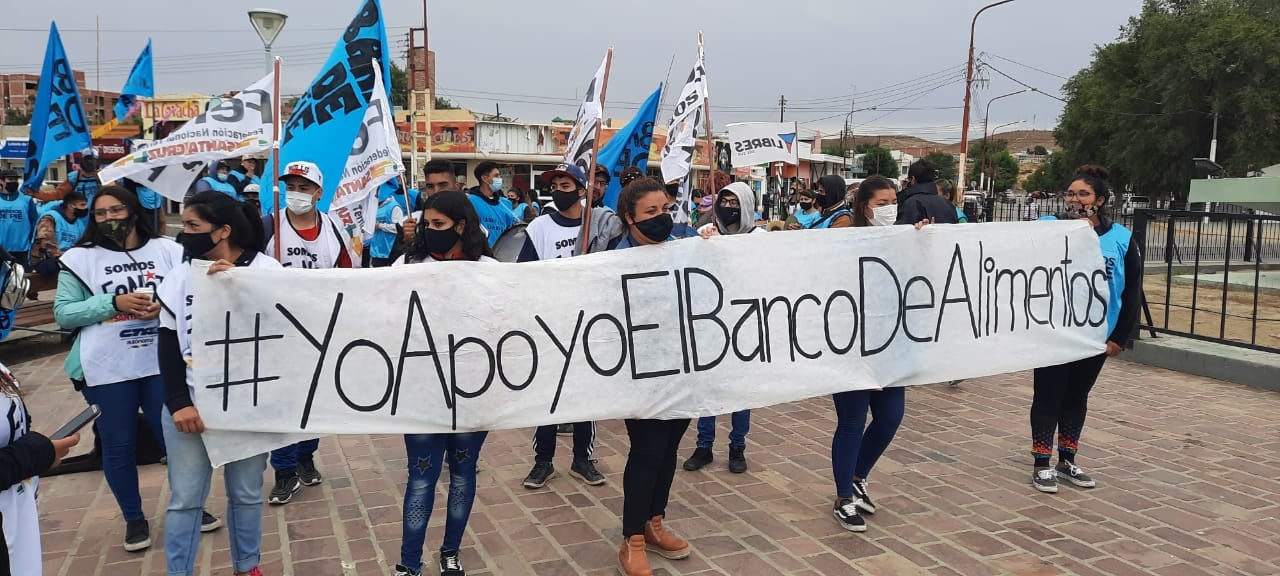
(1028,66)
(164,31)
(1094,108)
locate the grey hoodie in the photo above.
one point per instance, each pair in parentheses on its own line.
(747,200)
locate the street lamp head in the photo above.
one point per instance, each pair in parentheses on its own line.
(267,23)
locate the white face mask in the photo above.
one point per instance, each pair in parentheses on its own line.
(884,215)
(299,202)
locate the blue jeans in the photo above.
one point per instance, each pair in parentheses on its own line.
(286,459)
(426,457)
(854,452)
(117,427)
(741,424)
(190,475)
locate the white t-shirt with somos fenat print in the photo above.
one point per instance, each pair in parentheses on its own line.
(18,502)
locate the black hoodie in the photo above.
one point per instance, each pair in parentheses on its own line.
(921,202)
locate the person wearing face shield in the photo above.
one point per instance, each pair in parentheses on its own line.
(1061,393)
(308,239)
(18,216)
(228,233)
(219,180)
(105,293)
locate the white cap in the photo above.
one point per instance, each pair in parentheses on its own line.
(252,189)
(306,170)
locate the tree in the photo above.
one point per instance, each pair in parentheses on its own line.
(1039,151)
(944,162)
(833,150)
(982,150)
(399,87)
(1145,105)
(863,147)
(443,103)
(878,160)
(1050,176)
(15,117)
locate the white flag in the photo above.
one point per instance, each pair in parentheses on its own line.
(755,143)
(171,181)
(682,135)
(238,126)
(582,139)
(375,154)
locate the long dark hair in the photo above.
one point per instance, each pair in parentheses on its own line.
(222,210)
(146,231)
(866,191)
(455,206)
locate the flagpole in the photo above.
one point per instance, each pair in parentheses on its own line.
(706,115)
(275,151)
(595,151)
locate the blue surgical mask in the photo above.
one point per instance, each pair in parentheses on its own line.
(496,185)
(222,176)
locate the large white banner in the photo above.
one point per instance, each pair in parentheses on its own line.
(756,143)
(238,126)
(681,330)
(582,138)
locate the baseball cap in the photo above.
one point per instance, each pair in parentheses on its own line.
(306,170)
(252,189)
(629,175)
(602,171)
(570,170)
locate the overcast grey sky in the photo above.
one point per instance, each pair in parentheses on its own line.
(534,57)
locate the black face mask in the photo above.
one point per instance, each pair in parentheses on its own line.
(729,216)
(10,187)
(658,228)
(806,205)
(440,241)
(80,213)
(196,245)
(564,200)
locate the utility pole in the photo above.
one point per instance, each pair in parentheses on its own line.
(1213,144)
(782,108)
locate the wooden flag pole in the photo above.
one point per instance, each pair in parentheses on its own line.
(595,151)
(706,115)
(275,152)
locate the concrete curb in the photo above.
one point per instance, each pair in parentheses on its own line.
(1209,359)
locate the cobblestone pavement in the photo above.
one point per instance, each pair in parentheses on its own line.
(1187,470)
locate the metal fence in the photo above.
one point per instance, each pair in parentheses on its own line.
(1208,275)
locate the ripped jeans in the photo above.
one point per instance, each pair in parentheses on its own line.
(426,454)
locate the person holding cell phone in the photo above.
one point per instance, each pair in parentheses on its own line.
(105,295)
(215,227)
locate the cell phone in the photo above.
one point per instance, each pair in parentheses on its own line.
(76,424)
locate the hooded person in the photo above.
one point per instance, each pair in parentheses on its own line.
(920,200)
(733,211)
(832,203)
(219,179)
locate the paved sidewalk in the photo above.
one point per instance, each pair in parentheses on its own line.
(1187,469)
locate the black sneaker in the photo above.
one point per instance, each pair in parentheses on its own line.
(450,565)
(307,473)
(701,457)
(209,522)
(862,498)
(564,429)
(1045,480)
(402,571)
(1074,474)
(286,486)
(846,513)
(538,477)
(585,470)
(137,536)
(737,460)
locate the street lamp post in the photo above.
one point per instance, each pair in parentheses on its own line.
(968,95)
(982,166)
(267,23)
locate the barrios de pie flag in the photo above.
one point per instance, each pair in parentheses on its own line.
(58,125)
(629,147)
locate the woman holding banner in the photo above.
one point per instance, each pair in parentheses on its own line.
(651,462)
(214,227)
(1061,392)
(855,446)
(448,230)
(105,294)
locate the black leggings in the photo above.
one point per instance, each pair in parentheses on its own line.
(1060,402)
(651,467)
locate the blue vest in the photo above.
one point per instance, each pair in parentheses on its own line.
(16,225)
(825,222)
(807,220)
(149,198)
(1115,244)
(68,233)
(88,186)
(495,218)
(382,242)
(220,186)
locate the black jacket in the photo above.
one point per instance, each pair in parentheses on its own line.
(921,202)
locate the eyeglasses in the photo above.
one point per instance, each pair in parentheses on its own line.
(117,210)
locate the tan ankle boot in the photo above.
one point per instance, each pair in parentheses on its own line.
(632,560)
(664,543)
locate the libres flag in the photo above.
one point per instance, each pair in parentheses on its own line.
(629,146)
(58,126)
(331,111)
(582,139)
(140,83)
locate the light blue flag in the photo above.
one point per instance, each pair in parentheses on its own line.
(58,127)
(140,83)
(327,118)
(629,147)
